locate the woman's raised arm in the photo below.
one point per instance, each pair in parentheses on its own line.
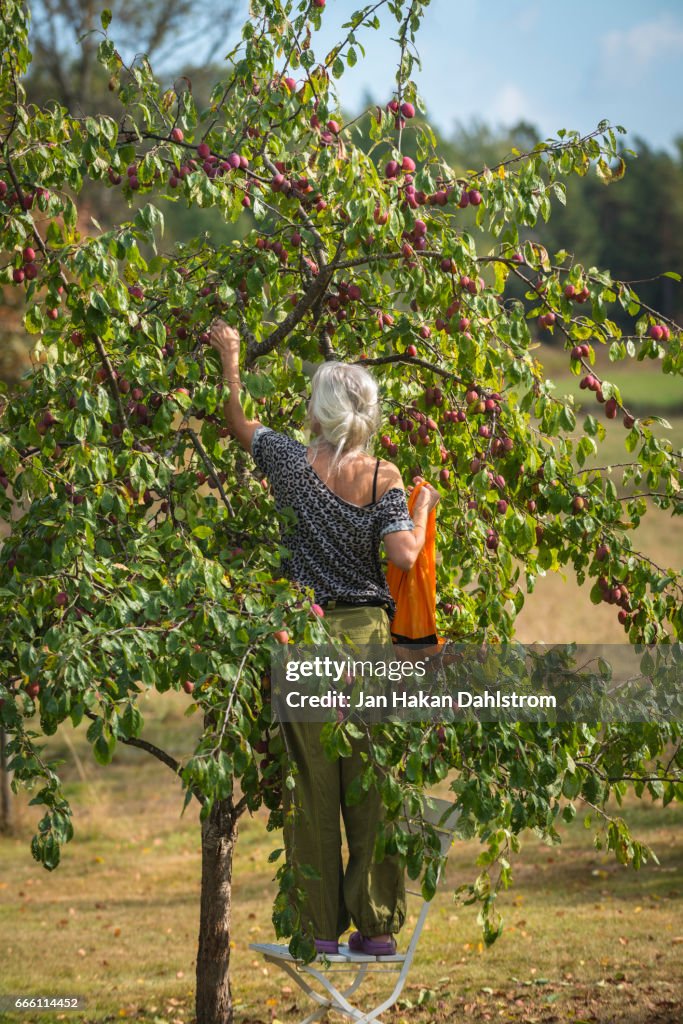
(226,342)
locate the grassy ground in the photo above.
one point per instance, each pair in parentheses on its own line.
(586,940)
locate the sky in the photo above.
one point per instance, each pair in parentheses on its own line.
(553,64)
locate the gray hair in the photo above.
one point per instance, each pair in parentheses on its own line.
(345,404)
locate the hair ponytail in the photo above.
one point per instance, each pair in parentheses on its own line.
(345,404)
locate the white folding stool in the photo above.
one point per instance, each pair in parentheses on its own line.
(348,962)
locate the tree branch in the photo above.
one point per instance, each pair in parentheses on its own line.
(114,383)
(157,752)
(363,16)
(412,361)
(307,300)
(403,41)
(209,465)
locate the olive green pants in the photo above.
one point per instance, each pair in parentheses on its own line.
(371,895)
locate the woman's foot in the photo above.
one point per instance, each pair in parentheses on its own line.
(326,946)
(377,945)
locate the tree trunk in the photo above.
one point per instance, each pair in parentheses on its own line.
(5,791)
(214,998)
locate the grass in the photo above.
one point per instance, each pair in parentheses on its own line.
(585,939)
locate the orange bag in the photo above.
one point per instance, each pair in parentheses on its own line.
(415,591)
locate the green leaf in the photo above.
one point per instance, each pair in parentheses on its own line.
(429,881)
(131,722)
(567,418)
(34,321)
(501,272)
(105,18)
(391,792)
(632,439)
(203,532)
(150,218)
(103,749)
(258,384)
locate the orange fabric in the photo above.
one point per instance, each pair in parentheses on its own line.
(414,591)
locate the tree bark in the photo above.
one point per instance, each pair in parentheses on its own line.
(5,791)
(214,998)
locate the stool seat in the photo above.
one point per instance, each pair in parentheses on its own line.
(345,955)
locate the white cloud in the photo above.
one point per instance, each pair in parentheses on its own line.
(510,105)
(639,46)
(529,18)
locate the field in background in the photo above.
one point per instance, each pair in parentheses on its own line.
(559,611)
(586,940)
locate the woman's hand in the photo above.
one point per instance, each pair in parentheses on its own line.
(225,340)
(428,497)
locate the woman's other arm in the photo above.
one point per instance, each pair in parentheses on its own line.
(226,342)
(403,546)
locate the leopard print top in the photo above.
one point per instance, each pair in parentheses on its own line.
(334,545)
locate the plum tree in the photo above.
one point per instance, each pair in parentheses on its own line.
(120,575)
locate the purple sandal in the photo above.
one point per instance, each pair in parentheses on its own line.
(360,944)
(326,946)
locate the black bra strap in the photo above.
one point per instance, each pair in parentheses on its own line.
(374,483)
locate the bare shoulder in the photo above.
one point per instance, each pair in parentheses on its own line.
(389,476)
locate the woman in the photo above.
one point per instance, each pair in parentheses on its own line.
(345,503)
